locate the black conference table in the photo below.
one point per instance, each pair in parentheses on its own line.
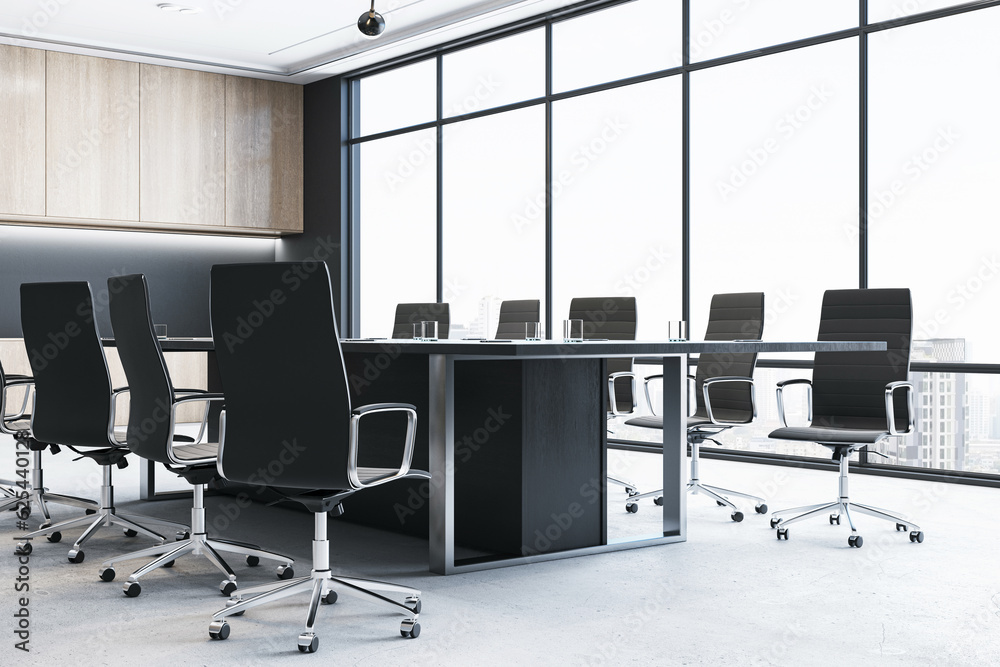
(514,434)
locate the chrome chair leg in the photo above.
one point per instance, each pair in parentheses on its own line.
(197,543)
(323,587)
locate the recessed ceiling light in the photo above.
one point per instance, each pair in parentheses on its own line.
(180,9)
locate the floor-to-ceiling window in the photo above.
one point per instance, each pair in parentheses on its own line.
(674,150)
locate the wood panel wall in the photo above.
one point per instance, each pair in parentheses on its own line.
(22,130)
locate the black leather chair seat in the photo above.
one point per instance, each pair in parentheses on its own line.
(828,436)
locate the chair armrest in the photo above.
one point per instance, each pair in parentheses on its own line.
(16,381)
(781,401)
(645,387)
(735,379)
(611,392)
(115,394)
(411,432)
(890,390)
(203,397)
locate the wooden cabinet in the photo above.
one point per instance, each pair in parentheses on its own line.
(263,154)
(91,137)
(22,130)
(182,146)
(108,144)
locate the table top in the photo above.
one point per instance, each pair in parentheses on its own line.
(556,348)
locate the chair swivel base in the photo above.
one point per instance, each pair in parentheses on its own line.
(35,495)
(719,494)
(323,588)
(198,543)
(842,507)
(106,515)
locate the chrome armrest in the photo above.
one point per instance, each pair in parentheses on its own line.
(890,413)
(731,379)
(200,393)
(28,384)
(612,396)
(645,386)
(207,399)
(781,402)
(411,432)
(115,395)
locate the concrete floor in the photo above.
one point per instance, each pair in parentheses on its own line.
(731,595)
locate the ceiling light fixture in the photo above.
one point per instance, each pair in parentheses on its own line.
(371,24)
(170,7)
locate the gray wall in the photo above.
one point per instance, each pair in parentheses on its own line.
(176,267)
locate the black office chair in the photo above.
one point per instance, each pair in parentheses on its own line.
(298,348)
(514,315)
(724,394)
(74,401)
(153,403)
(25,494)
(612,318)
(407,314)
(855,398)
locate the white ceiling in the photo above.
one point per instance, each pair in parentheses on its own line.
(288,40)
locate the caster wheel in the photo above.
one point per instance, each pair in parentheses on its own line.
(736,516)
(75,556)
(218,630)
(22,549)
(308,642)
(658,501)
(855,541)
(253,561)
(180,536)
(631,492)
(782,534)
(834,519)
(227,587)
(917,536)
(631,508)
(169,563)
(233,603)
(129,532)
(775,522)
(410,629)
(761,509)
(901,527)
(23,512)
(54,537)
(91,511)
(107,573)
(285,572)
(131,589)
(415,602)
(330,597)
(720,503)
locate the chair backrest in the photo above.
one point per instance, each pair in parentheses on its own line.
(514,314)
(848,388)
(614,318)
(288,406)
(737,316)
(409,313)
(72,384)
(150,390)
